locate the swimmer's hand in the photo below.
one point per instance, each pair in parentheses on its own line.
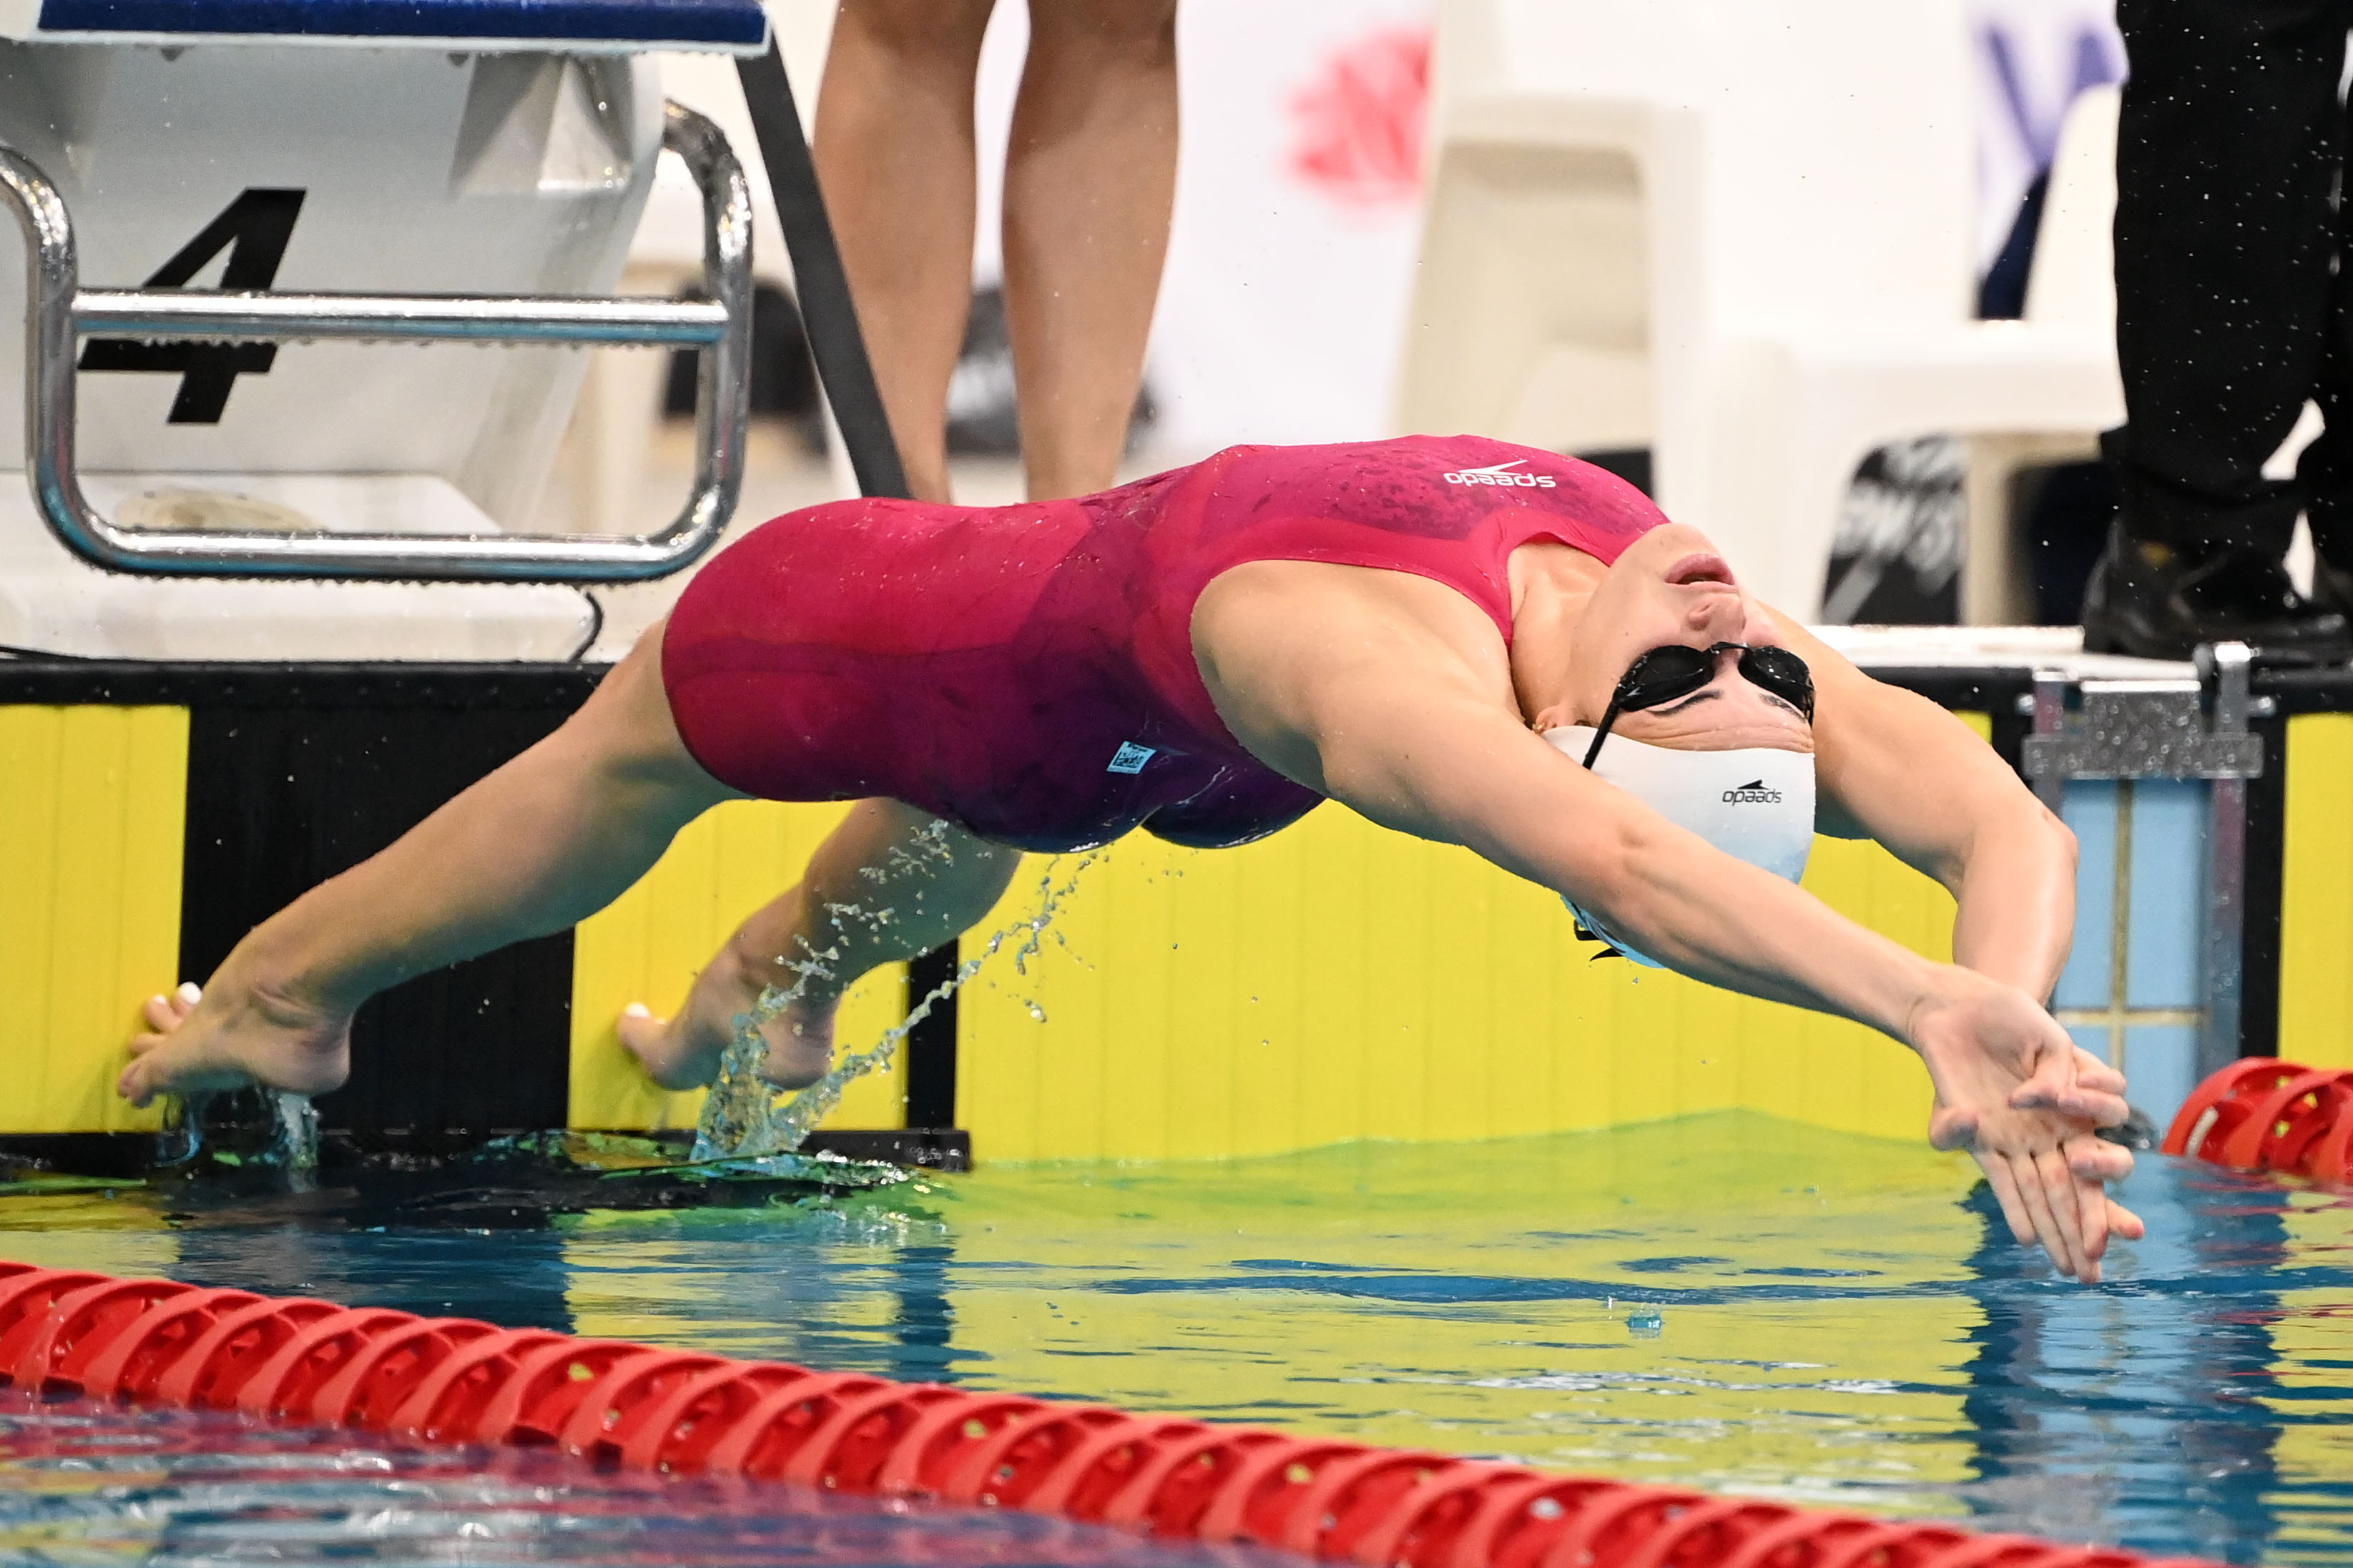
(232,1036)
(2026,1103)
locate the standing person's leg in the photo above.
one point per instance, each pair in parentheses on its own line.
(1090,179)
(2227,154)
(889,883)
(894,154)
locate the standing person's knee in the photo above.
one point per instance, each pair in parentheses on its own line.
(1126,32)
(918,32)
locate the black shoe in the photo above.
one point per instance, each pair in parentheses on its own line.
(2331,587)
(2159,602)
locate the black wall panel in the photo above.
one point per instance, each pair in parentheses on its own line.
(285,792)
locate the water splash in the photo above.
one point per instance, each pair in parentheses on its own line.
(295,1142)
(263,1126)
(741,1118)
(739,1113)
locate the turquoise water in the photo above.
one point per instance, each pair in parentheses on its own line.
(1725,1301)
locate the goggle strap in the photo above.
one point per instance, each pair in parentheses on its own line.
(1609,717)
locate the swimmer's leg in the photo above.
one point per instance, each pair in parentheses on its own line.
(543,842)
(1090,180)
(895,151)
(889,883)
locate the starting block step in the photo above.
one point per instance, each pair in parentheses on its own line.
(629,27)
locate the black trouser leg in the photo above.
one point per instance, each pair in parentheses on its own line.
(2231,141)
(2324,472)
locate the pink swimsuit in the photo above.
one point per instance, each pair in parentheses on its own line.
(1027,672)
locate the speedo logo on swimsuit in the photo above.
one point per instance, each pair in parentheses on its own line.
(1130,758)
(1753,792)
(1500,474)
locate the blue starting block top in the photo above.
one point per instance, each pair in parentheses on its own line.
(602,25)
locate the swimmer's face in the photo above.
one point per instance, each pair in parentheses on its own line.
(1672,587)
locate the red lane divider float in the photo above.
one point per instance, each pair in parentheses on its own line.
(453,1380)
(2263,1114)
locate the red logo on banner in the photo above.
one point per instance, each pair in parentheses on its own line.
(1359,121)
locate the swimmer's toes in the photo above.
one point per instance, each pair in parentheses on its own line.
(658,1048)
(149,1075)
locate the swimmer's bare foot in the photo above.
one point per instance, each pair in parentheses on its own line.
(683,1052)
(232,1036)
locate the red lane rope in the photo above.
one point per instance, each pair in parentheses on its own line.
(2263,1114)
(452,1380)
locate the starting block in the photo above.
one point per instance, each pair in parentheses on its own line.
(266,243)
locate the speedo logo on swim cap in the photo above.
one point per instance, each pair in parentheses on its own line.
(1753,792)
(1500,474)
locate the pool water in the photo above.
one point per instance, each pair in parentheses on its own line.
(1726,1301)
(82,1484)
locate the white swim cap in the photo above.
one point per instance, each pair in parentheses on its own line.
(1755,803)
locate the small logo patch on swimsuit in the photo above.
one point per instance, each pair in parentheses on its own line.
(1500,474)
(1753,792)
(1130,758)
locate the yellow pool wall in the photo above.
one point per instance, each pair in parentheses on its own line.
(1334,982)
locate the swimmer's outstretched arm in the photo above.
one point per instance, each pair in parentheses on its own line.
(1899,769)
(1404,717)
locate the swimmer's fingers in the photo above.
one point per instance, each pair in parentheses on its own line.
(2032,1198)
(2094,1075)
(2081,1203)
(2054,1079)
(2005,1192)
(2100,1213)
(2097,1160)
(2074,1082)
(2060,1194)
(2095,1163)
(2100,1109)
(2099,1093)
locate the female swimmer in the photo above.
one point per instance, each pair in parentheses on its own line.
(1461,639)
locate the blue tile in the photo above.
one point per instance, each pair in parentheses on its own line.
(2160,1069)
(2090,809)
(2093,1037)
(2168,893)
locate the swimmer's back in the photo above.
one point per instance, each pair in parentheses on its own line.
(1027,671)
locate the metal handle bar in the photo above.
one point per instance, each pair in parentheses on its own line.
(59,313)
(185,313)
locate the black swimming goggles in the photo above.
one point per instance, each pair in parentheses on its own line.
(1669,674)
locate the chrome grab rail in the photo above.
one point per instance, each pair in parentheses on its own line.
(59,313)
(267,317)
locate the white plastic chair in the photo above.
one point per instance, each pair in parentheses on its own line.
(1738,234)
(2071,292)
